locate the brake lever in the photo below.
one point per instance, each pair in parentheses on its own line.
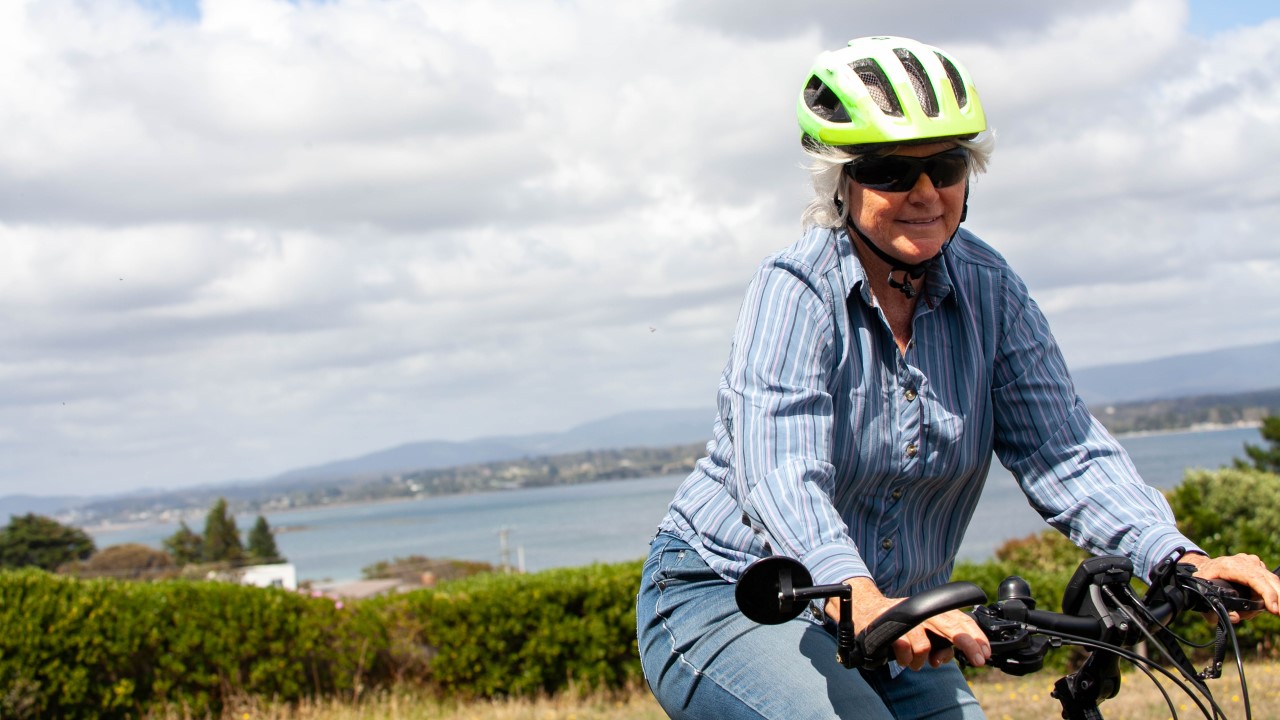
(1232,595)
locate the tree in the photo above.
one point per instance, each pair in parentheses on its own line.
(221,537)
(262,542)
(43,542)
(185,546)
(1266,459)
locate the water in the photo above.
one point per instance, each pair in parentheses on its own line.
(612,521)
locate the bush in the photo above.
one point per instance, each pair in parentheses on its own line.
(106,648)
(130,561)
(498,635)
(1232,510)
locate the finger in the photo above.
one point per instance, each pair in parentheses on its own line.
(938,658)
(977,653)
(918,648)
(902,652)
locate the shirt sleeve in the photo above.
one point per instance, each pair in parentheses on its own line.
(1074,473)
(777,406)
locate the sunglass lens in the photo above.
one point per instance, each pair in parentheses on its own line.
(899,173)
(947,170)
(892,173)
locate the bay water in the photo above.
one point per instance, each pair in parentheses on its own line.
(612,521)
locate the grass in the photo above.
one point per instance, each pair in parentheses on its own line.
(1002,696)
(1008,698)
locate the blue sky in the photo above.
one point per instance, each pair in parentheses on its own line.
(286,235)
(1212,16)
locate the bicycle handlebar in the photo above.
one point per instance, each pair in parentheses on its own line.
(876,640)
(1100,611)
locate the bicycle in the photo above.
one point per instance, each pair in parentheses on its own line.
(1101,614)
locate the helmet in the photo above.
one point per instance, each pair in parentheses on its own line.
(888,90)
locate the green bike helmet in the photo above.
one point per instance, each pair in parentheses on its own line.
(892,90)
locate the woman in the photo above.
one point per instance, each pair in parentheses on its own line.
(876,365)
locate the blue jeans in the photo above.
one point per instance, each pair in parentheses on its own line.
(704,660)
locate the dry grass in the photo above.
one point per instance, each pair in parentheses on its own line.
(1009,698)
(1004,697)
(414,704)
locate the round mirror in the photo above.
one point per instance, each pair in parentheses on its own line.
(765,592)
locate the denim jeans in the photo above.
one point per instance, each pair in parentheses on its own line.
(704,659)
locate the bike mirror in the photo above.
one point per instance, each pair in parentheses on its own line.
(766,590)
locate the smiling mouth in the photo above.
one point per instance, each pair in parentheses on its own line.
(922,221)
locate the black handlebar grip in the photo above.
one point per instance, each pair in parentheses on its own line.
(876,640)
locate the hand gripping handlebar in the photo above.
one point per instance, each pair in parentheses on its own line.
(776,589)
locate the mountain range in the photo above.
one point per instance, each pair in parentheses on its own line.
(1221,372)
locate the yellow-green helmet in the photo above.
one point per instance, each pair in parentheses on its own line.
(888,90)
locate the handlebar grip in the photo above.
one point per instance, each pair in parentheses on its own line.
(876,639)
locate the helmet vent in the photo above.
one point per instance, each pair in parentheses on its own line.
(957,84)
(919,81)
(823,101)
(877,83)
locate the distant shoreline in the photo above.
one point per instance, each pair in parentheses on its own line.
(1197,428)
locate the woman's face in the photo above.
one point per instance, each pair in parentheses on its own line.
(913,225)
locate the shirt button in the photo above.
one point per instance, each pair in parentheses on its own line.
(896,494)
(887,543)
(909,394)
(912,450)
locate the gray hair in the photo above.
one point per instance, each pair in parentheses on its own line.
(829,207)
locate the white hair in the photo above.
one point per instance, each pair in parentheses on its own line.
(829,207)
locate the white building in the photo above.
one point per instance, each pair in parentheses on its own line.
(281,575)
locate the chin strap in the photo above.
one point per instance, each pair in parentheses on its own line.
(909,272)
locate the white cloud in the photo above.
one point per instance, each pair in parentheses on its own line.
(289,232)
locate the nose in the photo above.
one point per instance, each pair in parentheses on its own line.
(923,191)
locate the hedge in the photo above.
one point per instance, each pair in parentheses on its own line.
(491,635)
(108,648)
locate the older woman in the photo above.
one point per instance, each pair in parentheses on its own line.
(876,364)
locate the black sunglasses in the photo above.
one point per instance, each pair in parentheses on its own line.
(899,173)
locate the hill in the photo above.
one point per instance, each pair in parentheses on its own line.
(1215,372)
(1221,386)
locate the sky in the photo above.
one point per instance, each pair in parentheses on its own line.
(239,237)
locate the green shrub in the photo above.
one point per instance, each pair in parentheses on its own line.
(105,648)
(498,635)
(1229,511)
(1232,510)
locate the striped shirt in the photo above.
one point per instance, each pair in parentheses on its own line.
(833,447)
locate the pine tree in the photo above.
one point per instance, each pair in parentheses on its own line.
(262,543)
(41,541)
(1266,459)
(185,546)
(221,536)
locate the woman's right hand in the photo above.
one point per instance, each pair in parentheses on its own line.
(914,648)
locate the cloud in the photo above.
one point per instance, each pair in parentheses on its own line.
(272,234)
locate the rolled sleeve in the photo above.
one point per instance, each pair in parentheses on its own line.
(1074,473)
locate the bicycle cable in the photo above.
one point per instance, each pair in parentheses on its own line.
(1137,660)
(1195,681)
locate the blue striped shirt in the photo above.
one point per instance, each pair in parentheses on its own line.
(833,447)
